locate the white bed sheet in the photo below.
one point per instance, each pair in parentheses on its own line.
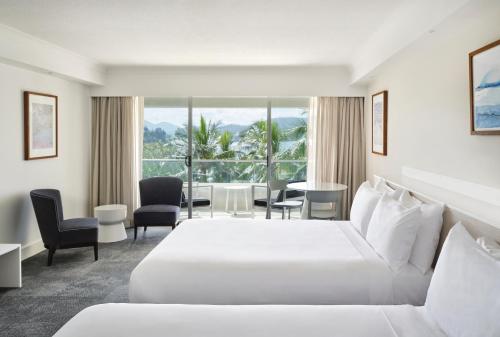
(238,261)
(174,320)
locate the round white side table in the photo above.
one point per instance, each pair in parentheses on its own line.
(111,226)
(235,189)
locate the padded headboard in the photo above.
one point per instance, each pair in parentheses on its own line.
(451,216)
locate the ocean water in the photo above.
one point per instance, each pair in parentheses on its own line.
(487,117)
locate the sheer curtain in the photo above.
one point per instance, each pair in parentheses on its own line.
(117,131)
(336,143)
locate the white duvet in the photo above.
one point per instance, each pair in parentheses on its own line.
(229,261)
(171,320)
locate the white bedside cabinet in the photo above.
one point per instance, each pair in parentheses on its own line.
(10,265)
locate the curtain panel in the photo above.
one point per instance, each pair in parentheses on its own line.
(117,131)
(336,144)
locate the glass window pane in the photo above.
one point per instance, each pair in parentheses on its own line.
(229,139)
(289,123)
(165,136)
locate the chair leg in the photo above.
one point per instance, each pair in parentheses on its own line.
(96,251)
(135,232)
(283,213)
(145,228)
(289,210)
(51,255)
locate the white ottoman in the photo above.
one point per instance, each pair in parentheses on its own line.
(111,226)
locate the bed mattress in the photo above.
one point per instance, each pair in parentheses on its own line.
(155,320)
(237,261)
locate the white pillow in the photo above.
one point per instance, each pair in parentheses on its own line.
(490,245)
(392,231)
(381,186)
(364,203)
(427,239)
(464,295)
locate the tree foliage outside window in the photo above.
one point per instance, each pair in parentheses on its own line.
(222,156)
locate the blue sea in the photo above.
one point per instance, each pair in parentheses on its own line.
(487,117)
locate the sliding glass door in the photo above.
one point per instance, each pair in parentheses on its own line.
(166,139)
(219,145)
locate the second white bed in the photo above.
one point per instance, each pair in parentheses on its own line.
(229,261)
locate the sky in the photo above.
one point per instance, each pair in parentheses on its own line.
(241,116)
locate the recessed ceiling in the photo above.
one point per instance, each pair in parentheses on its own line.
(203,32)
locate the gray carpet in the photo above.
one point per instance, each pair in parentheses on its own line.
(50,296)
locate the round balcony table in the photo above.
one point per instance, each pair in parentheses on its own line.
(111,226)
(325,191)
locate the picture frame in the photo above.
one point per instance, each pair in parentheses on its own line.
(379,123)
(484,86)
(40,126)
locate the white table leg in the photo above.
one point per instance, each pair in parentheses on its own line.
(235,203)
(246,199)
(227,201)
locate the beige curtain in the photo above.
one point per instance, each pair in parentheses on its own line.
(336,143)
(117,130)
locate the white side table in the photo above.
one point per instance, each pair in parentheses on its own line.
(234,190)
(111,226)
(10,265)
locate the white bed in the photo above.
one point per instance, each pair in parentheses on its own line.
(230,261)
(462,301)
(174,320)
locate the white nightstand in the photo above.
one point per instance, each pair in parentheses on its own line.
(10,265)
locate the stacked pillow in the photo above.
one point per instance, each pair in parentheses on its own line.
(427,238)
(399,227)
(464,293)
(364,203)
(392,231)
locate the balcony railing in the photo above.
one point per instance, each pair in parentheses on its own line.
(226,170)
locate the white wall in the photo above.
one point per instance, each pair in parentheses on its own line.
(69,172)
(428,114)
(228,81)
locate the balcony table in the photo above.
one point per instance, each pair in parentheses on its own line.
(318,188)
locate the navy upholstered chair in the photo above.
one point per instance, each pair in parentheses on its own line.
(160,202)
(58,233)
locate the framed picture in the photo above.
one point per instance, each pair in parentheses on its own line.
(40,125)
(484,82)
(379,123)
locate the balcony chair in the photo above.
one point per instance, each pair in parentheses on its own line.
(58,233)
(280,202)
(160,203)
(200,202)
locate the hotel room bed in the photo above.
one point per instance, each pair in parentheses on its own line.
(237,261)
(155,320)
(462,301)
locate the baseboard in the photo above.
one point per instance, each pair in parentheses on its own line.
(32,248)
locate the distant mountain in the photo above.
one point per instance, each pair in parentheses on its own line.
(286,123)
(169,128)
(233,128)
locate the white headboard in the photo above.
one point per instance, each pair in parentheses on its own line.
(451,216)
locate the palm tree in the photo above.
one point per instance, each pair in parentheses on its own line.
(205,145)
(254,141)
(298,151)
(225,141)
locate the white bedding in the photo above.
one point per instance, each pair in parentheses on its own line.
(229,261)
(165,320)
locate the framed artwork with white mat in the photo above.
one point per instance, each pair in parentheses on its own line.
(40,126)
(379,123)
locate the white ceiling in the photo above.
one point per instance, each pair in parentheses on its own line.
(204,32)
